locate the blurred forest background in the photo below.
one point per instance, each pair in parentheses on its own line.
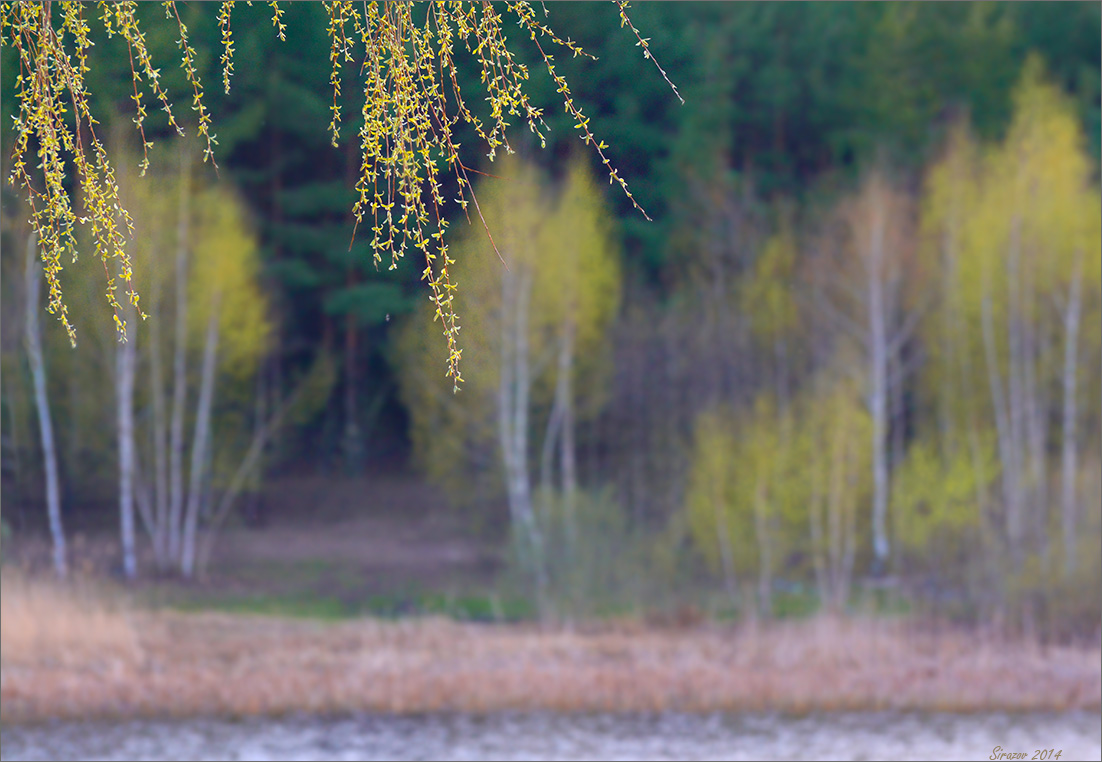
(853,361)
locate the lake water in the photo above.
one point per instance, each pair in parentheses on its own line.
(545,736)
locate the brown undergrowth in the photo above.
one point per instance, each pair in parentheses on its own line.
(66,656)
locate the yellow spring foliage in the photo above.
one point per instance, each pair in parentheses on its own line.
(412,103)
(563,242)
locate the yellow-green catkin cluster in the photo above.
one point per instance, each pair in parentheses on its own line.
(412,101)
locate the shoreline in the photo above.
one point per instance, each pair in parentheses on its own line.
(215,665)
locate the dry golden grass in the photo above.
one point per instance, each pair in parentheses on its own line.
(44,623)
(208,664)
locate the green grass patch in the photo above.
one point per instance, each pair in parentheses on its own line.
(326,609)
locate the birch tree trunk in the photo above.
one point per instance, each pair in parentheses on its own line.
(1070,451)
(512,403)
(726,552)
(550,440)
(1035,351)
(842,518)
(161,529)
(765,556)
(878,378)
(1008,471)
(33,338)
(264,431)
(1011,467)
(125,355)
(1015,401)
(568,449)
(179,381)
(200,444)
(815,519)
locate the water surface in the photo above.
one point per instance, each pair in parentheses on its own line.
(564,737)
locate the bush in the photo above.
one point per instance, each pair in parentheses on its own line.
(596,562)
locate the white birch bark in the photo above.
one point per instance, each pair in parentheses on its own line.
(161,530)
(513,402)
(1069,450)
(765,556)
(179,381)
(550,440)
(878,374)
(199,444)
(125,355)
(1004,417)
(33,339)
(568,448)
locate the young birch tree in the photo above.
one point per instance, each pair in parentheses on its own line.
(538,316)
(580,292)
(33,341)
(507,337)
(866,300)
(220,319)
(1015,227)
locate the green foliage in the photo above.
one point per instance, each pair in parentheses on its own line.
(598,563)
(1039,178)
(938,497)
(785,105)
(562,240)
(766,487)
(767,294)
(728,473)
(224,276)
(578,261)
(406,138)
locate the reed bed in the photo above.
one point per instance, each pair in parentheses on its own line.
(65,658)
(74,626)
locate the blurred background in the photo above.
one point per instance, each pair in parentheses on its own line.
(851,366)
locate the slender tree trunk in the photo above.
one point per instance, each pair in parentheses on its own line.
(815,519)
(1011,467)
(568,450)
(143,498)
(765,555)
(1008,471)
(179,381)
(125,355)
(33,338)
(780,354)
(249,466)
(897,431)
(513,393)
(521,398)
(1070,450)
(723,536)
(550,440)
(200,443)
(878,380)
(161,528)
(841,540)
(1033,426)
(1016,402)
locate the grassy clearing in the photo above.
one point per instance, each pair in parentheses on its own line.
(69,654)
